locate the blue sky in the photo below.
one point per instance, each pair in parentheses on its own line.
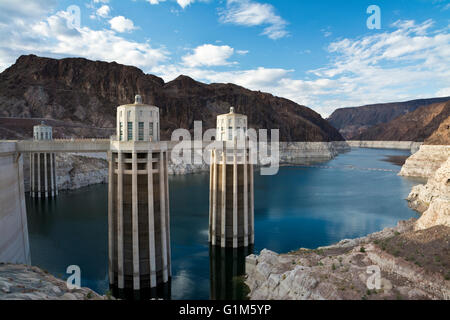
(317,53)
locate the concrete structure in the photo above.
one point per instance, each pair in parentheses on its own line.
(231,125)
(231,212)
(138,122)
(138,208)
(14,245)
(64,145)
(43,166)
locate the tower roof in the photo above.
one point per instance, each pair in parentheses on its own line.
(232,114)
(137,103)
(42,124)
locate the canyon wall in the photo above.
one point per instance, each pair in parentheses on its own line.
(433,199)
(400,145)
(426,161)
(417,125)
(353,122)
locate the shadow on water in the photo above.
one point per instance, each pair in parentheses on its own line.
(162,291)
(227,270)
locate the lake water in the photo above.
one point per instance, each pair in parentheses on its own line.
(351,196)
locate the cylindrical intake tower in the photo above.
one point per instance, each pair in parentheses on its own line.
(43,166)
(231,212)
(138,208)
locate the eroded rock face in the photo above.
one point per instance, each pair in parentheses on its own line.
(426,161)
(433,199)
(353,123)
(343,271)
(413,126)
(442,135)
(75,171)
(20,282)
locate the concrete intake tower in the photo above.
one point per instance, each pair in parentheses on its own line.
(43,166)
(138,208)
(231,212)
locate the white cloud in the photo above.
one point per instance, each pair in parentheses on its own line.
(407,62)
(326,32)
(103,11)
(52,37)
(155,1)
(209,55)
(249,13)
(26,11)
(182,3)
(445,92)
(185,3)
(121,24)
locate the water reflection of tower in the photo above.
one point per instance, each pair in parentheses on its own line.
(231,213)
(227,271)
(138,208)
(43,166)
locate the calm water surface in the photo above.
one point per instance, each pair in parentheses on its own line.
(300,207)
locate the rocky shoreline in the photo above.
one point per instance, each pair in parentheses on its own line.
(432,200)
(21,282)
(75,171)
(342,271)
(413,258)
(426,161)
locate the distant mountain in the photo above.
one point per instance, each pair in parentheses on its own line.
(418,125)
(442,135)
(351,122)
(80,97)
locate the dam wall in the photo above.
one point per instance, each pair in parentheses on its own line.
(14,245)
(400,145)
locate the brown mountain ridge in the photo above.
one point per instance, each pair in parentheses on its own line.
(353,122)
(419,125)
(80,97)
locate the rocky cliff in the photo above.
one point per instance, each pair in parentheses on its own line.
(418,125)
(74,171)
(426,161)
(442,135)
(353,121)
(433,199)
(84,94)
